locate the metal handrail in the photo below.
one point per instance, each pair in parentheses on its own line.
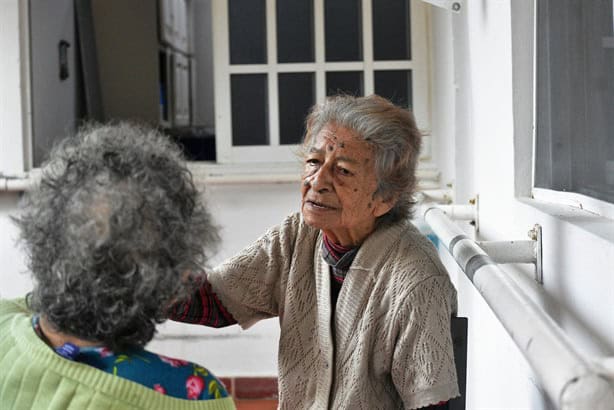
(570,380)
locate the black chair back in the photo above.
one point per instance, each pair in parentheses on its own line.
(459,342)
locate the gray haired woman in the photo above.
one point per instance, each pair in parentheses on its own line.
(109,232)
(363,301)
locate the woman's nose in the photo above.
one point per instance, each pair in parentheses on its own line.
(321,180)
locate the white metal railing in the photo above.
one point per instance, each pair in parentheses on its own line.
(18,183)
(571,381)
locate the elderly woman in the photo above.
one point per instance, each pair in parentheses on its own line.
(363,302)
(109,231)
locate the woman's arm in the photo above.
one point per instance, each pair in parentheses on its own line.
(249,286)
(423,369)
(202,308)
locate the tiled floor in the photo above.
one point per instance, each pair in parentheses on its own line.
(252,393)
(256,404)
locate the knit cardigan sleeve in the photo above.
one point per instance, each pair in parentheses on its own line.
(423,369)
(250,284)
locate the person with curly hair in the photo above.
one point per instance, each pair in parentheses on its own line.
(364,304)
(109,232)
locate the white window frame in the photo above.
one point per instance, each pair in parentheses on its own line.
(274,152)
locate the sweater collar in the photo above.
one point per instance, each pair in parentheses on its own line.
(375,249)
(338,257)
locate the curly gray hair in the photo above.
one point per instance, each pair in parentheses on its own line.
(109,232)
(392,132)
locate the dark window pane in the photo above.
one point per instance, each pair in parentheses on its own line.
(295,31)
(343,30)
(249,109)
(575,96)
(296,96)
(391,30)
(247,27)
(394,85)
(344,82)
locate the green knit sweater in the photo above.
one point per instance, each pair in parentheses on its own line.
(32,376)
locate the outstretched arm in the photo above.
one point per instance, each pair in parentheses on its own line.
(203,308)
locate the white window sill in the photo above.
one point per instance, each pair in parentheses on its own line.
(574,200)
(211,173)
(590,222)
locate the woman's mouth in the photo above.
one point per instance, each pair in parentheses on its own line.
(318,205)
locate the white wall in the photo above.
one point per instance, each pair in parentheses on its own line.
(14,280)
(491,146)
(12,159)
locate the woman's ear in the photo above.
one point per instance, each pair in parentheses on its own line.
(381,206)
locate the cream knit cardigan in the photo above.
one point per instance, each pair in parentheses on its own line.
(388,345)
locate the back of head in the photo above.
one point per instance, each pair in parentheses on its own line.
(110,230)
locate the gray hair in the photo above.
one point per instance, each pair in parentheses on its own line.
(390,130)
(110,231)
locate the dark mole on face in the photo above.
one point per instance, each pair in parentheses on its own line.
(369,205)
(356,190)
(342,145)
(330,147)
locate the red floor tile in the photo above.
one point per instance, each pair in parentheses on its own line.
(256,404)
(255,388)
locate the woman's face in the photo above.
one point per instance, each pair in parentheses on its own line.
(339,186)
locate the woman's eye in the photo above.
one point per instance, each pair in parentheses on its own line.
(312,161)
(344,171)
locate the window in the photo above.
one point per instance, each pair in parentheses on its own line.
(275,59)
(575,97)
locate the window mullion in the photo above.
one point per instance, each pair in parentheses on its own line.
(345,66)
(221,61)
(419,58)
(394,65)
(367,47)
(318,17)
(271,27)
(248,68)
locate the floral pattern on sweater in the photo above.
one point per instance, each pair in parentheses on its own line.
(166,375)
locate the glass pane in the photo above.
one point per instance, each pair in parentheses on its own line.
(575,96)
(247,31)
(343,30)
(296,96)
(394,85)
(249,109)
(344,82)
(391,30)
(295,31)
